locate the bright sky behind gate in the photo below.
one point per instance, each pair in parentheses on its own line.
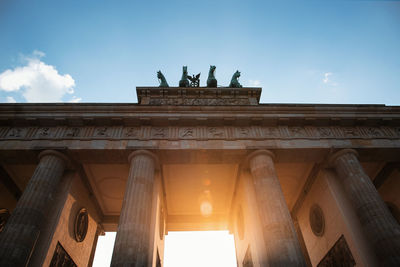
(298,51)
(194,249)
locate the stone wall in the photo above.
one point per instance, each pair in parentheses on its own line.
(339,218)
(78,197)
(390,190)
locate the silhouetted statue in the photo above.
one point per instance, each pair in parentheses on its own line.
(161,79)
(211,81)
(195,80)
(234,81)
(184,82)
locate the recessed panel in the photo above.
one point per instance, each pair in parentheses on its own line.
(199,189)
(108,183)
(292,177)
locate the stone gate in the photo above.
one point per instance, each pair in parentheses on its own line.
(297,184)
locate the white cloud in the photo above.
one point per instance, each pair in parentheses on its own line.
(326,77)
(10,99)
(37,81)
(75,99)
(254,83)
(38,54)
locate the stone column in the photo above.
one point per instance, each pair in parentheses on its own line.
(132,244)
(283,248)
(378,224)
(22,230)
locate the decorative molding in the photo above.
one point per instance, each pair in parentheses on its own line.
(197,133)
(201,96)
(199,102)
(317,220)
(81,225)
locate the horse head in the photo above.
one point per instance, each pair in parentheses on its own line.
(212,68)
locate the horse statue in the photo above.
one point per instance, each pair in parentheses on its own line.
(211,81)
(184,82)
(161,79)
(234,81)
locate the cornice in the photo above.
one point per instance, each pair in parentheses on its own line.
(134,114)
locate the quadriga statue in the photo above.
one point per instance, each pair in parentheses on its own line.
(234,81)
(211,81)
(184,82)
(161,79)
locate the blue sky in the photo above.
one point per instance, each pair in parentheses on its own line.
(298,51)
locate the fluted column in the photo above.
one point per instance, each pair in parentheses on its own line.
(283,248)
(378,224)
(132,247)
(22,230)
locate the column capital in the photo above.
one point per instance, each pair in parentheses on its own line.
(260,152)
(146,153)
(57,154)
(334,156)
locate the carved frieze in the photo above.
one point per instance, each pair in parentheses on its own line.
(199,101)
(17,133)
(73,132)
(187,133)
(197,133)
(131,132)
(201,96)
(216,133)
(159,132)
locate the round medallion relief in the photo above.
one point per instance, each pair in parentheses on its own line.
(317,220)
(81,225)
(4,215)
(240,223)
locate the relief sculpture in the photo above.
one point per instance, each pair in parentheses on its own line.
(73,132)
(132,132)
(187,132)
(324,131)
(61,258)
(298,131)
(338,255)
(215,132)
(44,132)
(350,132)
(158,132)
(102,131)
(15,132)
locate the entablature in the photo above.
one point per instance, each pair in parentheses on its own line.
(78,114)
